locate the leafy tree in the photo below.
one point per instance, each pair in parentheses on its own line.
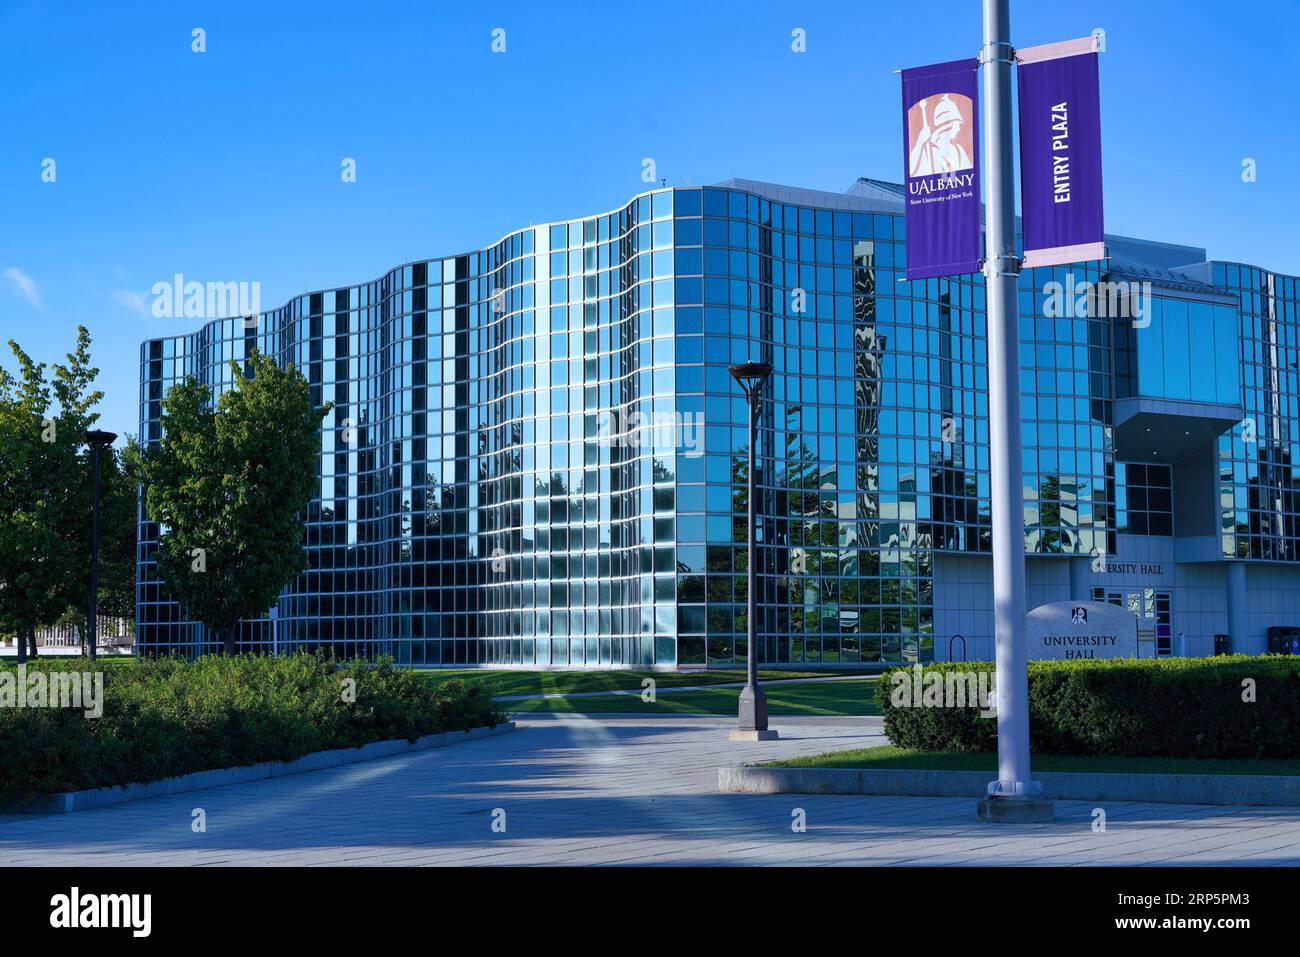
(117,547)
(117,537)
(45,489)
(229,487)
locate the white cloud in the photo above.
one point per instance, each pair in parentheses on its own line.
(130,299)
(26,285)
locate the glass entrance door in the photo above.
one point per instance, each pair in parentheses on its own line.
(1154,611)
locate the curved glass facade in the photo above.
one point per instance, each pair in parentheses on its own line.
(1259,460)
(537,456)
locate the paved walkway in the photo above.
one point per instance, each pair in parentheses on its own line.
(632,790)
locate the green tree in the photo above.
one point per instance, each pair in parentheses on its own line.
(44,489)
(117,546)
(229,487)
(117,537)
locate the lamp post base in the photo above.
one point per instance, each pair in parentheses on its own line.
(1016,809)
(751,710)
(766,735)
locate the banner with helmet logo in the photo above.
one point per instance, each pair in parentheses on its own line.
(942,168)
(1060,153)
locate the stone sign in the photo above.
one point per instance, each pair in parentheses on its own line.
(1081,629)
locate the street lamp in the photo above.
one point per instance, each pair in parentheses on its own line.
(753,703)
(1014,797)
(98,441)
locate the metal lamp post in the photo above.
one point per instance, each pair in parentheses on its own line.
(98,441)
(753,703)
(1014,796)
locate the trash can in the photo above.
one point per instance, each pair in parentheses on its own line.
(1284,640)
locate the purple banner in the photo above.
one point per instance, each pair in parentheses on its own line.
(941,165)
(1060,153)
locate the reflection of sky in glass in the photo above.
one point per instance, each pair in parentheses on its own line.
(1189,351)
(1260,509)
(475,509)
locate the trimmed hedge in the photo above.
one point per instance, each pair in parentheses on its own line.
(1171,707)
(165,717)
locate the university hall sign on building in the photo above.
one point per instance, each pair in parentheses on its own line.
(1081,629)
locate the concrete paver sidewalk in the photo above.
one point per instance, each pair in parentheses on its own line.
(636,790)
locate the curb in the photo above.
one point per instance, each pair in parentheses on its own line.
(67,802)
(1278,790)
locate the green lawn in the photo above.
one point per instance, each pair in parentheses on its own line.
(513,682)
(892,757)
(103,659)
(815,698)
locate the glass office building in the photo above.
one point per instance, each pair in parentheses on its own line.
(537,456)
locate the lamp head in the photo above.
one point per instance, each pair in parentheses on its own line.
(99,437)
(750,375)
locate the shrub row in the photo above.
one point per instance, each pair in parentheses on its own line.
(1234,706)
(165,717)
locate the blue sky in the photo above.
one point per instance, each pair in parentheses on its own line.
(225,165)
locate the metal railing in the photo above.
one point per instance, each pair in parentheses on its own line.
(113,632)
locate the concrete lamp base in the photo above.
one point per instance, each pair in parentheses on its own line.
(769,735)
(1029,809)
